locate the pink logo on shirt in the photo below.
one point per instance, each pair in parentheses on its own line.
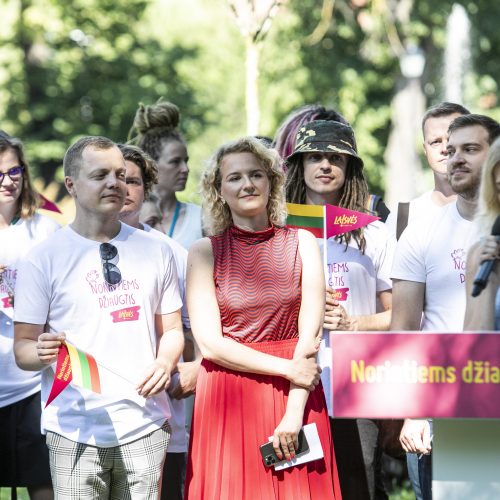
(7,302)
(459,256)
(340,294)
(126,314)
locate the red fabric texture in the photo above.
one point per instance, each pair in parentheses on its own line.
(236,412)
(257,282)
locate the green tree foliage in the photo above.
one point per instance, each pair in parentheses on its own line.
(77,68)
(81,67)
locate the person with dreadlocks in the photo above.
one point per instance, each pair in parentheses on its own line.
(155,131)
(284,142)
(325,167)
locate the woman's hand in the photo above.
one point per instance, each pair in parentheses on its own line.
(285,436)
(304,370)
(186,384)
(489,248)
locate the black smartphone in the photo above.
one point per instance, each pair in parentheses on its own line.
(269,456)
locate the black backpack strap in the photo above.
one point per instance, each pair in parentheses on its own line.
(402,220)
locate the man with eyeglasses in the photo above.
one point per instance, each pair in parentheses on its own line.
(111,290)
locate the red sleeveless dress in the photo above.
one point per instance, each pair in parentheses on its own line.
(258,287)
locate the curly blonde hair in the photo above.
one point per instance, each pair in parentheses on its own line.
(217,214)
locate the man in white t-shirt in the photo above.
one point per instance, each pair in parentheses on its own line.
(111,290)
(429,265)
(435,125)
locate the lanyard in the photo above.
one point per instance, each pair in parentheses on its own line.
(175,217)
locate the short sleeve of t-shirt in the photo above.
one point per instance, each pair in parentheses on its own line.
(32,294)
(409,258)
(170,296)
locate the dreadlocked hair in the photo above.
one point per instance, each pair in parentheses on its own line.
(154,126)
(354,194)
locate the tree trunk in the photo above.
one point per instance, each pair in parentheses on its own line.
(252,89)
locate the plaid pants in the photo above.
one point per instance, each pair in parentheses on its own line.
(129,471)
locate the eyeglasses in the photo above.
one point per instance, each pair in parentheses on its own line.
(110,271)
(14,174)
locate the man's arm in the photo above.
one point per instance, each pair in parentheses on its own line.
(170,346)
(407,309)
(33,348)
(407,305)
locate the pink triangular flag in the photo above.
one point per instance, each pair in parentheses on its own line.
(341,220)
(62,376)
(49,205)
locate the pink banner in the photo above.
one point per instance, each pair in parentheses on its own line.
(397,375)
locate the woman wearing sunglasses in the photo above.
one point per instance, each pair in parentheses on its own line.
(24,458)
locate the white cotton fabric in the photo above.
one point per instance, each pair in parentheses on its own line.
(189,229)
(15,242)
(433,250)
(357,278)
(61,284)
(422,206)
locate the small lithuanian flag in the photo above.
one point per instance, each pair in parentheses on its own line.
(310,217)
(84,369)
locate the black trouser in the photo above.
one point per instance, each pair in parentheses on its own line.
(358,457)
(174,475)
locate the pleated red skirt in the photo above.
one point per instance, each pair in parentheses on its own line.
(236,412)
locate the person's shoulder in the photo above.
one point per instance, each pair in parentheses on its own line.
(306,239)
(377,234)
(192,208)
(201,252)
(45,222)
(38,227)
(52,246)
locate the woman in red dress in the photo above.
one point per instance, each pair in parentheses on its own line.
(256,300)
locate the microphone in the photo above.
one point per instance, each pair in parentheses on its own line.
(481,278)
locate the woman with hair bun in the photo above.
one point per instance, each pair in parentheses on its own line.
(155,131)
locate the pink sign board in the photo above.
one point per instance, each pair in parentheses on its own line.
(397,375)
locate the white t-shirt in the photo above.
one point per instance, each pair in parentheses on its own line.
(357,278)
(422,206)
(178,440)
(61,284)
(15,242)
(433,250)
(189,229)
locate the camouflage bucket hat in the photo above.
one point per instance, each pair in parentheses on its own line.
(326,136)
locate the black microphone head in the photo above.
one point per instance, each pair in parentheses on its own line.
(495,230)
